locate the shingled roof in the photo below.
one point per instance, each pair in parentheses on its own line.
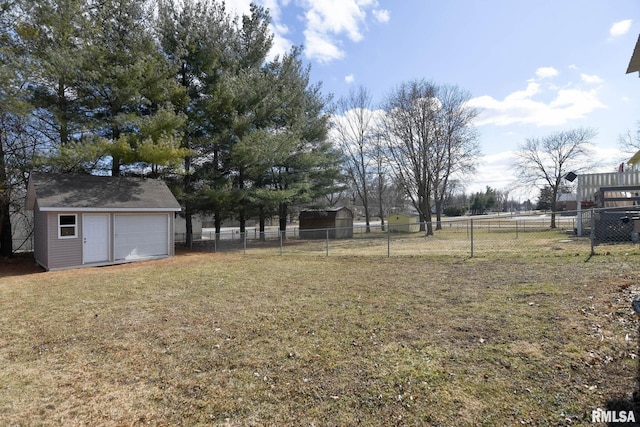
(634,63)
(67,191)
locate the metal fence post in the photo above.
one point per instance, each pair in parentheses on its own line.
(327,242)
(593,232)
(280,233)
(471,238)
(244,242)
(388,241)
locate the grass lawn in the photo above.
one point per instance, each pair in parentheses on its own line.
(261,339)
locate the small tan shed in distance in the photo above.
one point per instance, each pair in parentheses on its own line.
(87,220)
(403,223)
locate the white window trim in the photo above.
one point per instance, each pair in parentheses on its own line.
(75,227)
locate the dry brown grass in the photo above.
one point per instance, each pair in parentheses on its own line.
(453,240)
(223,339)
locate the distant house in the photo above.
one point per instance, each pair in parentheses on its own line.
(86,220)
(403,223)
(601,189)
(567,202)
(336,223)
(633,164)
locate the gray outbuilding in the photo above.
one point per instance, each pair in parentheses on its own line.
(88,220)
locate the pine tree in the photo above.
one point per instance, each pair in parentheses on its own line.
(128,81)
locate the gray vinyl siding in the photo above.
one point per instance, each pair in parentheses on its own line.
(64,253)
(172,234)
(40,240)
(54,253)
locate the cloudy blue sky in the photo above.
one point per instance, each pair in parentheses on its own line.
(533,67)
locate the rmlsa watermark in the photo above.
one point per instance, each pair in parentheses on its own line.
(604,416)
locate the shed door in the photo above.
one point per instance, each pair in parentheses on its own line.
(141,236)
(95,238)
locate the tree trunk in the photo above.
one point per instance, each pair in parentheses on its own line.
(366,217)
(188,218)
(438,214)
(553,208)
(425,217)
(429,224)
(380,207)
(115,166)
(243,221)
(217,223)
(115,134)
(365,202)
(186,185)
(262,225)
(6,242)
(282,213)
(62,105)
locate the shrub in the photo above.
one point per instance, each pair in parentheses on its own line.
(454,211)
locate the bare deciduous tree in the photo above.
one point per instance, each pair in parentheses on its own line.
(629,143)
(355,129)
(410,132)
(431,141)
(380,181)
(544,162)
(17,144)
(456,145)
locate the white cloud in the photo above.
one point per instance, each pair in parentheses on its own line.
(381,15)
(611,156)
(335,17)
(495,171)
(243,7)
(327,24)
(525,107)
(281,44)
(592,79)
(238,7)
(546,72)
(532,89)
(321,47)
(329,20)
(620,28)
(349,78)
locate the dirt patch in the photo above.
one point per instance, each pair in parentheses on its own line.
(19,265)
(25,264)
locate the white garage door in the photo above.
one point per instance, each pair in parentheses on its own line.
(141,236)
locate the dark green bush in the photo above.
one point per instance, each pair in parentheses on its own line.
(454,211)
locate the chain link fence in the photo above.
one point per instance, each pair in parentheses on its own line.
(578,233)
(615,225)
(22,244)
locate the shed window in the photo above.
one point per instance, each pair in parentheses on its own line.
(67,226)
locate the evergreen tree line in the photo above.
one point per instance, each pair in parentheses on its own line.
(182,91)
